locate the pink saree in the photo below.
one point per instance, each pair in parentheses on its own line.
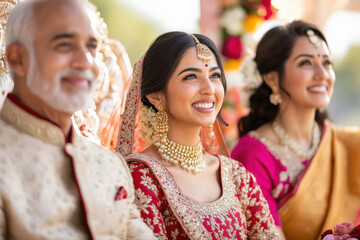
(327,192)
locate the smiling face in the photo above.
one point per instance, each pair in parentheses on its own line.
(195,93)
(62,66)
(308,75)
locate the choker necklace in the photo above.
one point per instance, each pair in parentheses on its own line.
(292,144)
(188,157)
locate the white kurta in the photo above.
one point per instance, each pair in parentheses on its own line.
(51,189)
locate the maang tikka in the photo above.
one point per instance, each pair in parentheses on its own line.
(189,158)
(313,38)
(203,52)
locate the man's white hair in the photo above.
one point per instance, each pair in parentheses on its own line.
(20,25)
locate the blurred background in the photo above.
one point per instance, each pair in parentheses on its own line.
(236,26)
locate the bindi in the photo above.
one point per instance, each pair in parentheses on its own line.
(206,65)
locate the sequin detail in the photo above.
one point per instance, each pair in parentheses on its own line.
(240,213)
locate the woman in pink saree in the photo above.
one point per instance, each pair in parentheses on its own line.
(185,189)
(306,167)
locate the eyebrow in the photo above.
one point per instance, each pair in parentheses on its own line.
(70,35)
(63,35)
(197,70)
(308,55)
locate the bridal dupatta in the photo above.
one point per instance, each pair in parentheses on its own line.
(124,138)
(329,191)
(121,132)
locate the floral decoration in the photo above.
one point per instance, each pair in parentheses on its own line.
(249,73)
(342,231)
(241,18)
(147,124)
(232,47)
(239,21)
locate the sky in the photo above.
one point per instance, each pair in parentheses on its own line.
(342,31)
(184,15)
(171,15)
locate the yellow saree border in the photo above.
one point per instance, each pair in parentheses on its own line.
(329,191)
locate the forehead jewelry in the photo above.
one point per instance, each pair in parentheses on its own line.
(313,38)
(203,52)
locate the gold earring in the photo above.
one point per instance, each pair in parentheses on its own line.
(211,132)
(188,157)
(161,122)
(275,97)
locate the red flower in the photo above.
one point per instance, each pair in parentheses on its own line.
(232,47)
(356,232)
(329,231)
(267,6)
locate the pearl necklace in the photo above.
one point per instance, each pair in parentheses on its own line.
(188,157)
(292,144)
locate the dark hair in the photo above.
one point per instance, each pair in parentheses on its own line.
(272,51)
(164,56)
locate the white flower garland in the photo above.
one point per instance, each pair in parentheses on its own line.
(249,73)
(147,124)
(232,20)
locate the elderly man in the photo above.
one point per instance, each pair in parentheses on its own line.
(53,183)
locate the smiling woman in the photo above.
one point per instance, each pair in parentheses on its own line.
(185,188)
(288,144)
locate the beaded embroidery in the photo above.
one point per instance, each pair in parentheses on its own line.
(203,52)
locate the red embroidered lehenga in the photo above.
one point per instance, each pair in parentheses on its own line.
(240,213)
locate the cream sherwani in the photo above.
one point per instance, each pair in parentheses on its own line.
(51,188)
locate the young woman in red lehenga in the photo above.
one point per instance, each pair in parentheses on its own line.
(184,188)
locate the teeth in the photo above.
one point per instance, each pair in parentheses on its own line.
(204,105)
(318,89)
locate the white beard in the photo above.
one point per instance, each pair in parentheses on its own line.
(53,94)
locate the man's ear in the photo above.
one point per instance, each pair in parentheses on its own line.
(272,79)
(156,98)
(16,56)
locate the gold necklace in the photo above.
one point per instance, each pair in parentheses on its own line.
(188,157)
(293,145)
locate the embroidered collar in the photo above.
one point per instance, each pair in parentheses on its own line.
(26,120)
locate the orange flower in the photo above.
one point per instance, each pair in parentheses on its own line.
(232,64)
(252,22)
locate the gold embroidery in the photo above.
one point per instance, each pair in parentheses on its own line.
(27,123)
(293,165)
(146,181)
(142,201)
(125,141)
(277,190)
(230,213)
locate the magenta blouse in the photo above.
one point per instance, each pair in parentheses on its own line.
(275,179)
